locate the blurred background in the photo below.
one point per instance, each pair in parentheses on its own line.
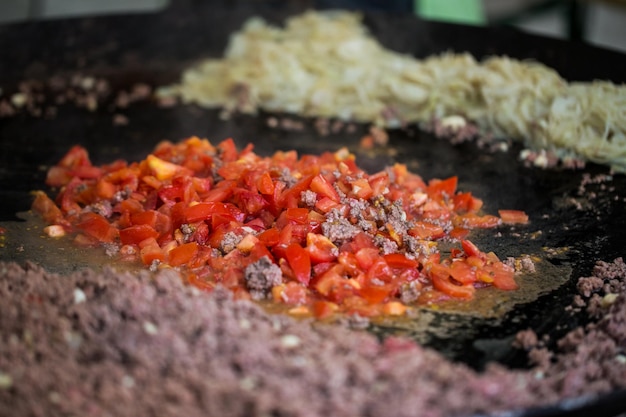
(598,22)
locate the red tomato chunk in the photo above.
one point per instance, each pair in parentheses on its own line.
(315,233)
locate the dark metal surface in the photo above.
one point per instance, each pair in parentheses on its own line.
(155,48)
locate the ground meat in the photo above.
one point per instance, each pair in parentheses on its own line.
(261,276)
(524,265)
(338,229)
(410,292)
(103,208)
(527,265)
(455,128)
(145,344)
(526,339)
(540,357)
(230,242)
(385,245)
(589,285)
(308,197)
(591,357)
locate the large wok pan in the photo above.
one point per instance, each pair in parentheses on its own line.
(155,48)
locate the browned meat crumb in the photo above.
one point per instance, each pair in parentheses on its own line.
(230,241)
(338,229)
(261,276)
(309,198)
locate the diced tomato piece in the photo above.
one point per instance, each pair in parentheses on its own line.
(361,188)
(133,235)
(258,252)
(324,309)
(58,176)
(105,189)
(399,260)
(228,150)
(297,215)
(204,211)
(394,308)
(513,216)
(349,263)
(379,183)
(320,185)
(320,248)
(502,275)
(458,233)
(265,185)
(462,272)
(440,276)
(250,202)
(86,172)
(447,187)
(164,170)
(375,294)
(473,221)
(325,282)
(466,202)
(470,249)
(200,283)
(366,257)
(380,271)
(293,293)
(326,204)
(427,230)
(182,254)
(291,196)
(269,237)
(148,217)
(151,252)
(49,211)
(219,194)
(300,262)
(96,226)
(248,243)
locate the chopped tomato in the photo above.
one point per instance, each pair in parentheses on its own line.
(136,234)
(344,241)
(320,185)
(320,248)
(300,262)
(440,276)
(513,216)
(96,226)
(182,254)
(324,309)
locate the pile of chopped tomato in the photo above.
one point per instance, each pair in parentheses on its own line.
(315,233)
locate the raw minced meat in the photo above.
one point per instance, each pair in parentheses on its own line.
(146,344)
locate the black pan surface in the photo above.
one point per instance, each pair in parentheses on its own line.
(577,228)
